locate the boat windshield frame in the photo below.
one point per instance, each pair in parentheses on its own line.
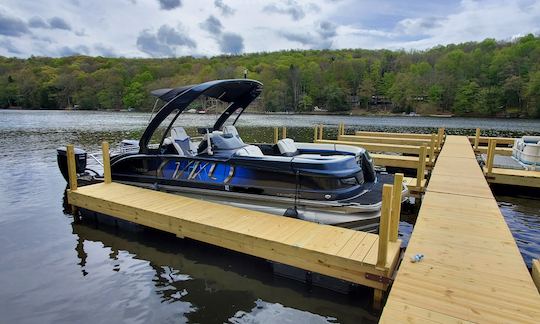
(238,93)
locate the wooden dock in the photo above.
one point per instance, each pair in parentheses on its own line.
(358,257)
(421,150)
(472,270)
(514,177)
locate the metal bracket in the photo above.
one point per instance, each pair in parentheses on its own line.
(381,279)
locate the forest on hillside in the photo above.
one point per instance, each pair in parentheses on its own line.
(488,78)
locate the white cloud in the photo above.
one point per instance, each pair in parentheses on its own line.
(102,27)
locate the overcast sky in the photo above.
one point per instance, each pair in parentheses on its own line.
(165,28)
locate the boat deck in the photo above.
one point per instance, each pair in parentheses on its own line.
(338,252)
(472,270)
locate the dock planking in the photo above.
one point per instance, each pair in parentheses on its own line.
(472,270)
(338,252)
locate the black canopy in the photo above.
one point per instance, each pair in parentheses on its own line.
(239,93)
(224,90)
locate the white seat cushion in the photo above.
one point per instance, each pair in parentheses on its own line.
(249,150)
(287,147)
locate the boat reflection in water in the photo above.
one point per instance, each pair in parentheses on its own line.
(206,283)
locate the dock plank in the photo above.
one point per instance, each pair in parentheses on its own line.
(472,270)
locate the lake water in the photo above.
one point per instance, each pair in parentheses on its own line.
(55,270)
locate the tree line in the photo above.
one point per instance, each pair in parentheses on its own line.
(488,78)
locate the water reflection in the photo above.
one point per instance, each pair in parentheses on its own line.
(521,210)
(206,283)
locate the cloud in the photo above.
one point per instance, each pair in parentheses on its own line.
(326,29)
(171,36)
(290,7)
(224,8)
(415,26)
(149,44)
(164,42)
(70,51)
(5,43)
(37,22)
(59,23)
(103,50)
(169,4)
(12,26)
(212,25)
(302,38)
(51,23)
(231,43)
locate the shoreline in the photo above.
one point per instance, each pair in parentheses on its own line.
(337,114)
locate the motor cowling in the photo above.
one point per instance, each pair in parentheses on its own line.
(80,161)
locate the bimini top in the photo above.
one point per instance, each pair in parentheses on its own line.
(239,93)
(224,90)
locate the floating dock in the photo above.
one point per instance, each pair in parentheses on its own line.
(357,257)
(472,269)
(511,175)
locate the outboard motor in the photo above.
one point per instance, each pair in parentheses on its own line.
(61,158)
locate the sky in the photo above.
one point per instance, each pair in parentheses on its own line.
(169,28)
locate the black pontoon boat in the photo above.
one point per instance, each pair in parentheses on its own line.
(325,183)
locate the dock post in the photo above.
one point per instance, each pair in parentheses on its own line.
(440,136)
(284,132)
(377,298)
(315,133)
(386,210)
(276,135)
(492,145)
(536,273)
(72,173)
(476,139)
(72,170)
(382,253)
(106,162)
(421,167)
(396,207)
(432,150)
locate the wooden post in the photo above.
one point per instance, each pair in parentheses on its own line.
(72,169)
(421,167)
(386,210)
(72,175)
(396,207)
(477,139)
(284,132)
(106,163)
(440,136)
(432,150)
(315,133)
(377,298)
(492,144)
(276,135)
(536,273)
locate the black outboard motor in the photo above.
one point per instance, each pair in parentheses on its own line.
(61,158)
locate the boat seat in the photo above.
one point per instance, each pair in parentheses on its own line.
(287,147)
(231,131)
(249,150)
(182,142)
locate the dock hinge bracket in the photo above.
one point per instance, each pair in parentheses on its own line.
(381,279)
